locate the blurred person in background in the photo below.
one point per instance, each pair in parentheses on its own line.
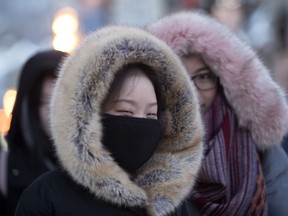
(245,170)
(30,151)
(231,13)
(262,24)
(267,28)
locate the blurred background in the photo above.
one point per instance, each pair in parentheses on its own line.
(31,25)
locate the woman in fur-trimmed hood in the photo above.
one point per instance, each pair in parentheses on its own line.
(245,115)
(91,182)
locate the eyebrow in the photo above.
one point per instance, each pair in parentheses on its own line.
(133,102)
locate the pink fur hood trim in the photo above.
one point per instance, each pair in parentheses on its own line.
(258,101)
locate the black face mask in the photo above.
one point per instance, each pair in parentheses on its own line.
(131,141)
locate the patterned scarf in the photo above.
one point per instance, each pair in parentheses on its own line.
(230,181)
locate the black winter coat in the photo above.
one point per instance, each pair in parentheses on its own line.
(22,170)
(56,194)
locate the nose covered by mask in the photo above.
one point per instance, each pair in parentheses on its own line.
(131,141)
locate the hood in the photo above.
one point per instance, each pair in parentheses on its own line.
(257,100)
(166,179)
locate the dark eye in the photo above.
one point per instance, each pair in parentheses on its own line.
(203,76)
(205,80)
(125,112)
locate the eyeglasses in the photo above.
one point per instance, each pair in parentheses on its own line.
(205,81)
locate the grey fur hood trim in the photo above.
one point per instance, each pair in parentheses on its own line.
(166,179)
(258,101)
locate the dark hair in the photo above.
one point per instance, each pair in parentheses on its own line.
(26,131)
(131,70)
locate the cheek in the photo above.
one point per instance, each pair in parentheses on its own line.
(207,98)
(44,117)
(42,113)
(210,97)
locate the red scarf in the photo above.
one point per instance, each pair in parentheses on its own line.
(230,181)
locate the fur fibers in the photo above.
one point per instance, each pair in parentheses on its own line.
(166,179)
(258,101)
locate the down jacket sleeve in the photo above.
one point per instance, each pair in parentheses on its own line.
(275,170)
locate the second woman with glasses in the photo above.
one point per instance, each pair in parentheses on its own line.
(245,114)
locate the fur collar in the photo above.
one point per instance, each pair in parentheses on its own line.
(258,101)
(166,179)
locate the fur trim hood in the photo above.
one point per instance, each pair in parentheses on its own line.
(258,101)
(166,179)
